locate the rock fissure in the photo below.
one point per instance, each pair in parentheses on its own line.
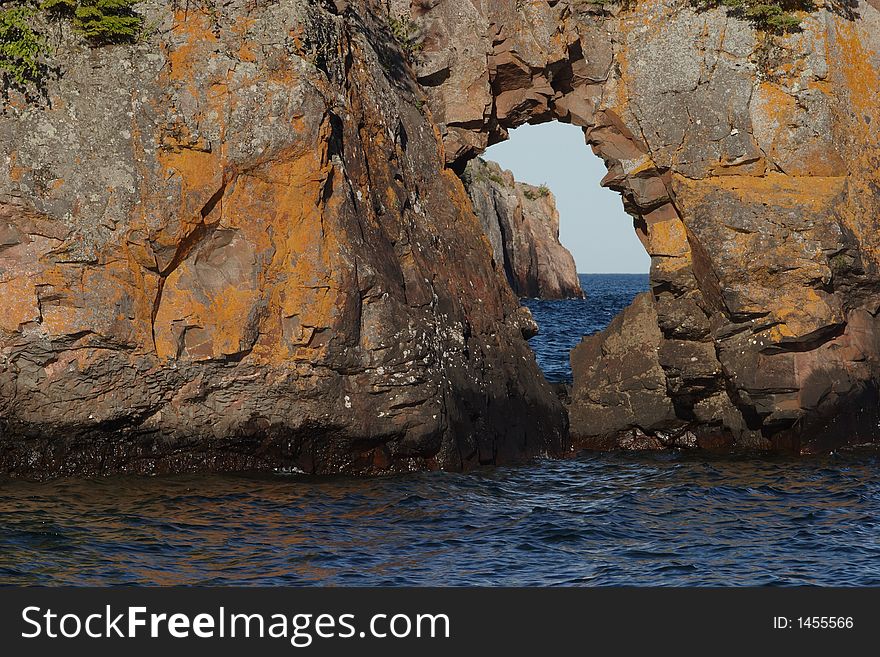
(187,245)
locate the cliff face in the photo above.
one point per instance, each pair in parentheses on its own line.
(750,162)
(235,245)
(522,224)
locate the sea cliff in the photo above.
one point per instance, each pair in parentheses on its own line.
(240,241)
(522,224)
(234,244)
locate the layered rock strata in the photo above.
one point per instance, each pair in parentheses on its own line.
(522,224)
(750,163)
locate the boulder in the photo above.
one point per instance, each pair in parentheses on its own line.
(619,385)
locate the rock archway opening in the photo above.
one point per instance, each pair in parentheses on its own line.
(567,246)
(593,225)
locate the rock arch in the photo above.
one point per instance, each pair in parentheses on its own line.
(748,162)
(264,258)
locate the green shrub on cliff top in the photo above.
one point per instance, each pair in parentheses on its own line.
(59,5)
(542,191)
(23,49)
(99,21)
(20,46)
(768,15)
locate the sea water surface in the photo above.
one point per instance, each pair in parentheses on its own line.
(601,519)
(563,323)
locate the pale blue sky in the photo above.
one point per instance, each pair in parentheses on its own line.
(593,225)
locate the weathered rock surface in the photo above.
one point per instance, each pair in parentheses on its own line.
(522,224)
(620,382)
(235,245)
(750,163)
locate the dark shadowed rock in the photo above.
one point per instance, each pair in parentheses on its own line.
(619,384)
(522,224)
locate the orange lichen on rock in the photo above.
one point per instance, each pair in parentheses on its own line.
(807,192)
(862,78)
(306,276)
(858,81)
(19,302)
(663,233)
(264,260)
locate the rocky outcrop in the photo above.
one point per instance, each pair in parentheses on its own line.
(235,245)
(621,386)
(749,161)
(620,397)
(522,224)
(241,242)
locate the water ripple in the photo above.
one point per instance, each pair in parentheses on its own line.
(667,519)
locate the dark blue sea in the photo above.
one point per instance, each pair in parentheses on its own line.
(563,323)
(600,519)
